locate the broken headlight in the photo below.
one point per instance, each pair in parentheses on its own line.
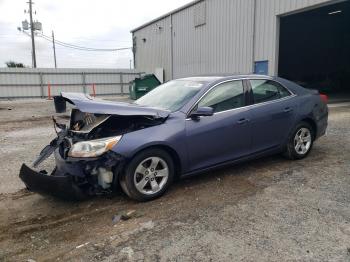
(93,148)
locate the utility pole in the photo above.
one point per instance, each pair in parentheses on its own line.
(54,48)
(32,26)
(32,32)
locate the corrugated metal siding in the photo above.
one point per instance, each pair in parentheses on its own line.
(223,45)
(155,51)
(217,46)
(34,82)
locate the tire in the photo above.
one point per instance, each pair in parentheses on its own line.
(148,175)
(300,141)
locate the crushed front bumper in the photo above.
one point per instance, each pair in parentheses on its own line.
(72,178)
(55,185)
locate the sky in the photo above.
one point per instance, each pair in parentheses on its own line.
(90,23)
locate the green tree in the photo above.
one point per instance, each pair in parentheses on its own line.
(14,64)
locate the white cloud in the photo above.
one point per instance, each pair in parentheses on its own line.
(92,23)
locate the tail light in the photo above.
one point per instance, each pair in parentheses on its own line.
(324,98)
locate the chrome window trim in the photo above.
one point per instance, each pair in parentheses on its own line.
(272,80)
(252,106)
(247,106)
(273,101)
(199,99)
(268,79)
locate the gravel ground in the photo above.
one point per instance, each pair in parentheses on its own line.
(270,209)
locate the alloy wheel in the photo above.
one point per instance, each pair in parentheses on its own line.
(151,175)
(302,141)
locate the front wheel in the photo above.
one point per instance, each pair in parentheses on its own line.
(300,142)
(148,175)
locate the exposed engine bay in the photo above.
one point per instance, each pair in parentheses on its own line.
(93,126)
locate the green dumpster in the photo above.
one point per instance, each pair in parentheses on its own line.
(141,86)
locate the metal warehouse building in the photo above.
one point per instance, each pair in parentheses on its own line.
(307,41)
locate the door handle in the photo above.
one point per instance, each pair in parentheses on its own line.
(243,121)
(287,110)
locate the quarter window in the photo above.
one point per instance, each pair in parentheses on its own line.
(224,97)
(267,90)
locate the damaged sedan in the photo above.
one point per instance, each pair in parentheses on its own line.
(181,128)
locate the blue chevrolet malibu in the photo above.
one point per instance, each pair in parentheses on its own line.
(181,128)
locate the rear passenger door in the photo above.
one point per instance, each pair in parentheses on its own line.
(272,114)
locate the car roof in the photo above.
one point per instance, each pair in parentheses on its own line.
(210,79)
(207,79)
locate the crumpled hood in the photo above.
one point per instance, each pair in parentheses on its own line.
(88,104)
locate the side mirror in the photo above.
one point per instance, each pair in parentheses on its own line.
(202,111)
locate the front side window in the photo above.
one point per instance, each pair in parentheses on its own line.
(267,90)
(226,96)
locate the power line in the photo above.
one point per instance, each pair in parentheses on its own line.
(70,45)
(76,47)
(83,48)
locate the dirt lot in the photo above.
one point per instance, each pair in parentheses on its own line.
(266,210)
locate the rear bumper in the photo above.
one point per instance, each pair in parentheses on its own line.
(58,186)
(322,125)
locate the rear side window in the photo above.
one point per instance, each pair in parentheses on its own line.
(267,90)
(224,97)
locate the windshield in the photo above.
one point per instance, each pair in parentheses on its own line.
(171,95)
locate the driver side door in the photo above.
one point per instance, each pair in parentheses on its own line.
(225,135)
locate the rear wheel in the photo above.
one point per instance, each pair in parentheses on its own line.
(300,141)
(148,175)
